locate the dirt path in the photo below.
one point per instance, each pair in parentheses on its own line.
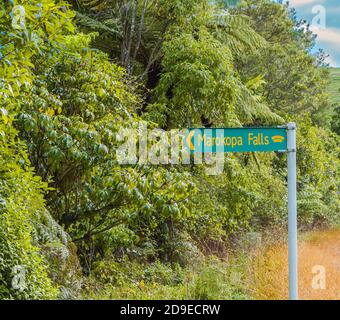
(319,254)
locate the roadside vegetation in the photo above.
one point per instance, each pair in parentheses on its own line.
(74,223)
(335,85)
(334,91)
(318,254)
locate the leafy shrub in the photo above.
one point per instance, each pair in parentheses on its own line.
(318,175)
(209,279)
(71,124)
(23,269)
(217,280)
(29,235)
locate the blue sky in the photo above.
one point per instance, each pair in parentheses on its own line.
(324,16)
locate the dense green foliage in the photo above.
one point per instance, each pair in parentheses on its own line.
(75,218)
(210,279)
(334,91)
(28,233)
(21,201)
(334,86)
(289,43)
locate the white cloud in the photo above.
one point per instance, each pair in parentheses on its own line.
(330,36)
(301,3)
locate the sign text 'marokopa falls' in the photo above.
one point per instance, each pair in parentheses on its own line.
(158,147)
(237,140)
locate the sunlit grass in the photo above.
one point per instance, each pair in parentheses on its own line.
(270,278)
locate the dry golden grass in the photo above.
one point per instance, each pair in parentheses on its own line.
(270,270)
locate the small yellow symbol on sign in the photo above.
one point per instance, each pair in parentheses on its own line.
(278,139)
(189,137)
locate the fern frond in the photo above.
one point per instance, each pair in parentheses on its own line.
(236,32)
(110,26)
(95,5)
(250,106)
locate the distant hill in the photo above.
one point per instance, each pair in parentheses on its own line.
(334,88)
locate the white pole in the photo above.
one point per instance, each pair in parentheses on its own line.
(292,212)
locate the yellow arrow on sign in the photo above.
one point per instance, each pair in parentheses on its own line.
(189,137)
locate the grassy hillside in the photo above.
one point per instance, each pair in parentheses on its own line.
(334,87)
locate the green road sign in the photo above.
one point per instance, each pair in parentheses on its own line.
(258,140)
(236,139)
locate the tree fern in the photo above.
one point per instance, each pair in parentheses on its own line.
(236,32)
(251,106)
(110,26)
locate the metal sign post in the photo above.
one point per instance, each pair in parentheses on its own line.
(292,212)
(279,139)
